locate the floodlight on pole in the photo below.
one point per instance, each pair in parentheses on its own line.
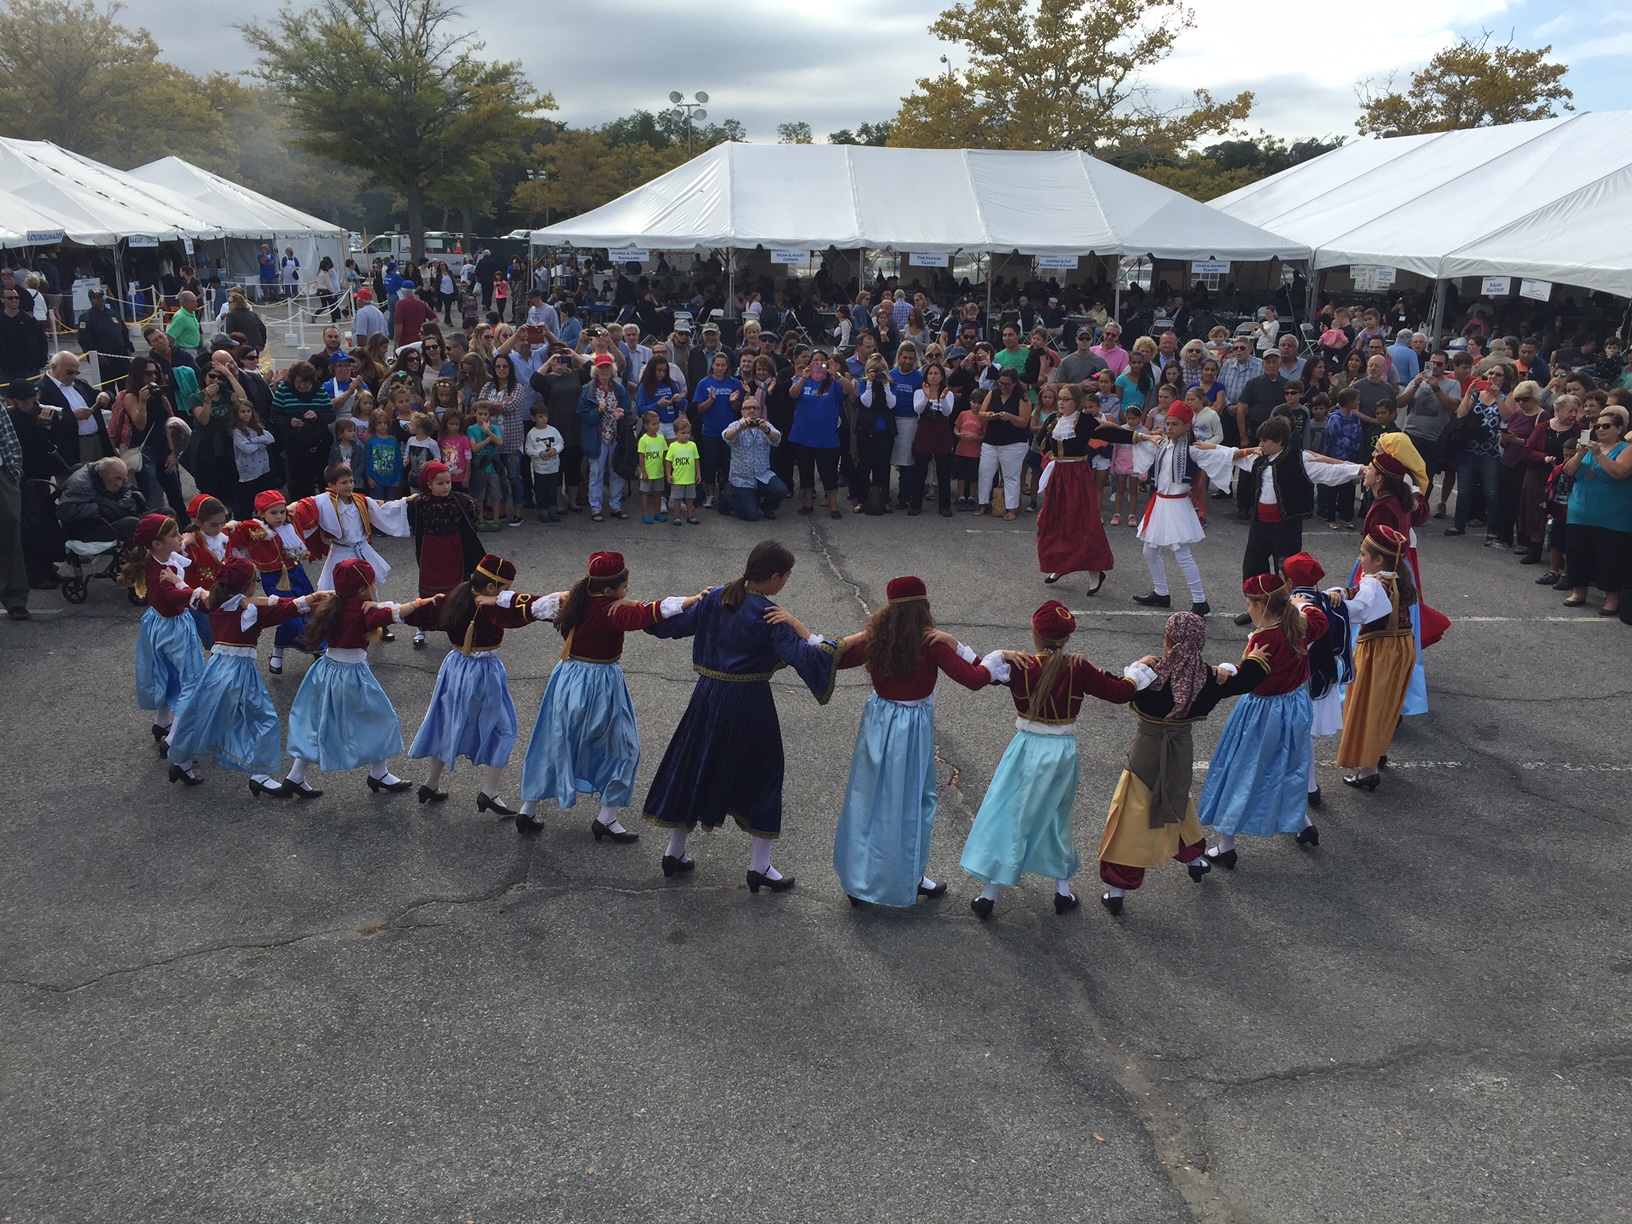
(688,111)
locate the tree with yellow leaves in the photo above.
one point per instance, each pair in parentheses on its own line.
(1468,85)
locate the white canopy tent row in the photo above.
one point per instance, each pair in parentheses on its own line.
(919,201)
(1545,202)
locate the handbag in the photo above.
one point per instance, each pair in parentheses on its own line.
(934,436)
(625,452)
(132,459)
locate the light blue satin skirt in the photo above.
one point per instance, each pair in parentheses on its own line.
(1024,823)
(169,660)
(471,714)
(584,741)
(1258,779)
(230,716)
(882,847)
(341,717)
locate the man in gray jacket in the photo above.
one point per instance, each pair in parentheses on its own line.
(101,502)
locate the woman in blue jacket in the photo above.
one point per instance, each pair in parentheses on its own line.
(602,405)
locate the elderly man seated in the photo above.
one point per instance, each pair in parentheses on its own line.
(101,502)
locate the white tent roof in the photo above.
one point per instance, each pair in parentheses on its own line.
(935,201)
(241,213)
(1547,199)
(91,203)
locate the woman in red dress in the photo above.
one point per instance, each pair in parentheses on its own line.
(1070,536)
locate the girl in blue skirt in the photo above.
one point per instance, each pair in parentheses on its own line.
(882,848)
(341,717)
(229,715)
(471,714)
(1258,780)
(1024,823)
(169,652)
(585,741)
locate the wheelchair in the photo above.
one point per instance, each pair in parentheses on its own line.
(88,559)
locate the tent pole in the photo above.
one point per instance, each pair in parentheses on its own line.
(1311,290)
(987,319)
(1116,301)
(1436,315)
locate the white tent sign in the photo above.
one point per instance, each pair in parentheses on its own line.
(625,255)
(919,259)
(1539,290)
(1209,267)
(141,240)
(1385,275)
(1364,277)
(787,257)
(1496,286)
(42,237)
(1058,263)
(187,243)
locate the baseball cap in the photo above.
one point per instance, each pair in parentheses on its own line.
(711,327)
(684,325)
(22,389)
(957,350)
(603,359)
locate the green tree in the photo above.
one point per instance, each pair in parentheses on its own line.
(1058,74)
(391,91)
(793,133)
(1469,85)
(1222,167)
(866,134)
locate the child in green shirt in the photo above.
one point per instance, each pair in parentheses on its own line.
(681,460)
(652,447)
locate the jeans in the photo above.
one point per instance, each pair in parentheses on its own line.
(514,481)
(716,456)
(152,478)
(1477,471)
(748,503)
(601,474)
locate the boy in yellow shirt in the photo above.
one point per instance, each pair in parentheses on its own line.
(681,460)
(652,446)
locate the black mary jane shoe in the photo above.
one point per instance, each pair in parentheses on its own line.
(1153,600)
(1198,868)
(299,790)
(1243,618)
(1309,836)
(1064,905)
(159,732)
(395,788)
(757,881)
(1201,609)
(387,636)
(274,667)
(1314,798)
(275,789)
(1094,590)
(938,891)
(1365,784)
(185,776)
(982,907)
(600,830)
(676,866)
(427,794)
(1224,858)
(1050,579)
(528,824)
(485,803)
(1113,904)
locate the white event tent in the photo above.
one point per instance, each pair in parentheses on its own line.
(1546,200)
(247,216)
(934,201)
(87,202)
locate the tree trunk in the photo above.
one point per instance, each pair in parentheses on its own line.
(466,213)
(416,220)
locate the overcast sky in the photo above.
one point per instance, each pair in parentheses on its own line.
(839,63)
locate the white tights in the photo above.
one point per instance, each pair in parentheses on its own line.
(1187,567)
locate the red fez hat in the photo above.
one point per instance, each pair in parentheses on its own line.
(1386,540)
(606,565)
(434,468)
(497,569)
(1262,586)
(235,573)
(1303,570)
(1385,462)
(1053,621)
(193,506)
(266,500)
(353,577)
(149,529)
(901,590)
(1181,412)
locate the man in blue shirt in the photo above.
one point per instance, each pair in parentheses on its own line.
(1403,358)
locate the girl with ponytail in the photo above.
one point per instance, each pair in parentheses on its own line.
(1259,779)
(726,755)
(1024,823)
(169,651)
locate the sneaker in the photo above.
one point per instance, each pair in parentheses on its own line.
(1493,543)
(708,503)
(515,521)
(679,519)
(1116,520)
(648,520)
(543,517)
(1547,579)
(1439,511)
(662,517)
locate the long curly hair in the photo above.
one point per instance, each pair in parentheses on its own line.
(895,638)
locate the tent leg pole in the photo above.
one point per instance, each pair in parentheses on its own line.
(1116,301)
(987,321)
(1436,315)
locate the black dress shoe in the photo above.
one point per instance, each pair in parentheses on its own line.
(300,790)
(1114,904)
(1064,905)
(185,776)
(1314,798)
(400,785)
(1224,858)
(274,789)
(528,824)
(1198,868)
(676,866)
(855,901)
(1094,590)
(486,804)
(387,636)
(1365,784)
(1153,600)
(1244,618)
(982,907)
(757,881)
(1382,761)
(1050,579)
(159,732)
(938,891)
(429,795)
(1202,608)
(1309,836)
(600,830)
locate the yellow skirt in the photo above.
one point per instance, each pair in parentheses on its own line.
(1129,841)
(1372,705)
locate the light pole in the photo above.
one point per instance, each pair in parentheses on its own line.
(538,178)
(688,111)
